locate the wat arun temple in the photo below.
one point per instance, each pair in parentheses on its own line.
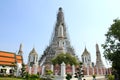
(60,43)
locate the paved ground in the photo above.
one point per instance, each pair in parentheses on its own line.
(90,78)
(86,77)
(97,77)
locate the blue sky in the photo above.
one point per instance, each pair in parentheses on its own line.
(31,23)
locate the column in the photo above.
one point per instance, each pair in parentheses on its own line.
(35,59)
(63,71)
(101,71)
(30,69)
(73,70)
(93,70)
(87,70)
(97,70)
(43,67)
(104,71)
(17,73)
(35,69)
(52,67)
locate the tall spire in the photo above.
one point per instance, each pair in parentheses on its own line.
(99,62)
(98,55)
(60,31)
(60,16)
(59,43)
(20,50)
(85,50)
(97,49)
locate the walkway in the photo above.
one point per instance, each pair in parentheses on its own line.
(86,77)
(90,78)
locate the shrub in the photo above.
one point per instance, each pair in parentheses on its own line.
(94,76)
(68,77)
(10,75)
(34,77)
(110,77)
(27,76)
(48,72)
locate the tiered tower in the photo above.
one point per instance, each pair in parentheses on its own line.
(86,58)
(33,61)
(60,42)
(19,63)
(99,62)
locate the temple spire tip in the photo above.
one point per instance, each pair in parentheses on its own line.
(60,8)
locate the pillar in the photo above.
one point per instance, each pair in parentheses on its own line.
(43,69)
(63,71)
(52,67)
(35,69)
(19,66)
(87,70)
(17,73)
(97,70)
(93,70)
(73,69)
(101,71)
(104,71)
(30,69)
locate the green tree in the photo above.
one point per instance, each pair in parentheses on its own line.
(66,58)
(112,46)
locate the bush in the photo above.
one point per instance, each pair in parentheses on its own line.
(94,76)
(110,77)
(10,75)
(1,75)
(27,76)
(48,72)
(34,77)
(47,77)
(68,77)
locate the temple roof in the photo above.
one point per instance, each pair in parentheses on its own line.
(33,52)
(9,58)
(85,52)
